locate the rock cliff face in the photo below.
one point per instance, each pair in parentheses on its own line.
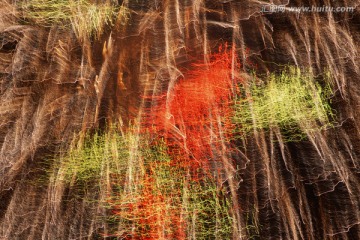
(138,66)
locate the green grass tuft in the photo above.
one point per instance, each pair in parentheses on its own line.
(292,101)
(84,16)
(96,156)
(148,193)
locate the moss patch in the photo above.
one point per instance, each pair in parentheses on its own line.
(148,194)
(87,18)
(292,101)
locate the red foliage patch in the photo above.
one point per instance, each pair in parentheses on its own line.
(196,119)
(153,213)
(195,123)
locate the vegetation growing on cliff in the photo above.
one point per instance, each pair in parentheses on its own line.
(290,100)
(86,18)
(149,194)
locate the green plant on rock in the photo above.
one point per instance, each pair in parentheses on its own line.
(207,211)
(97,156)
(87,18)
(292,101)
(149,194)
(168,205)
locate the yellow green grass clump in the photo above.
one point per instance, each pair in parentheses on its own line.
(94,158)
(87,18)
(167,204)
(148,194)
(291,100)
